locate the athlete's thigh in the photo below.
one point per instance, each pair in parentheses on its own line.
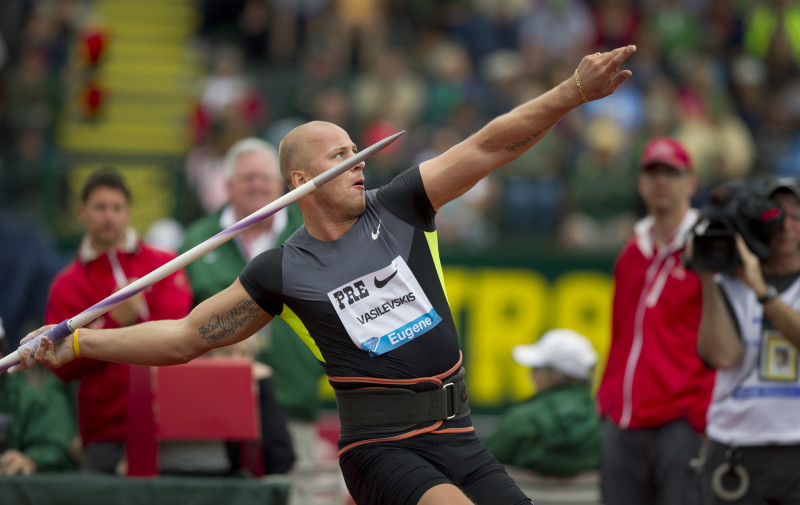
(391,473)
(483,479)
(444,494)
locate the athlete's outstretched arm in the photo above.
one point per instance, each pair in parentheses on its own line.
(226,318)
(506,137)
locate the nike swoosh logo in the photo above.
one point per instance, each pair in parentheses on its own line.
(381,283)
(377,232)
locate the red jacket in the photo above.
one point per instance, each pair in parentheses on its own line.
(82,283)
(654,374)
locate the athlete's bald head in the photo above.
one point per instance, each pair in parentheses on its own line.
(298,146)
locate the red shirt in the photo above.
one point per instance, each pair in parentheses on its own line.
(654,374)
(102,394)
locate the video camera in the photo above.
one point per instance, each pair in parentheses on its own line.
(732,208)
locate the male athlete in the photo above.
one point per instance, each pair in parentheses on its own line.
(362,283)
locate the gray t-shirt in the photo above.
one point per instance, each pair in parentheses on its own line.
(371,303)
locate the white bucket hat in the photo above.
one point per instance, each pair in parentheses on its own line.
(565,350)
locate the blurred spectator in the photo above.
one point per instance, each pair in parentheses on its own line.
(229,102)
(465,219)
(660,112)
(47,32)
(333,105)
(110,256)
(557,432)
(253,180)
(655,389)
(502,70)
(485,26)
(36,425)
(12,22)
(616,23)
(293,23)
(770,33)
(254,28)
(452,84)
(651,64)
(360,27)
(534,188)
(625,110)
(722,27)
(32,92)
(721,145)
(777,139)
(27,265)
(383,166)
(389,88)
(318,70)
(677,27)
(204,173)
(229,108)
(748,77)
(602,200)
(31,175)
(554,31)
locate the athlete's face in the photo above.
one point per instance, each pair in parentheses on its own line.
(255,182)
(343,197)
(106,215)
(665,189)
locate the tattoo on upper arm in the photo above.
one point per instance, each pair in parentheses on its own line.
(525,141)
(225,325)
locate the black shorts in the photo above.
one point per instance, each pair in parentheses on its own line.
(400,472)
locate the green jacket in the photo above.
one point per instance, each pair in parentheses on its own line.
(296,371)
(557,433)
(41,421)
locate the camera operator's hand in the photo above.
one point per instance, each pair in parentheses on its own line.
(750,271)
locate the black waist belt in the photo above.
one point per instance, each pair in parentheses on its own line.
(387,406)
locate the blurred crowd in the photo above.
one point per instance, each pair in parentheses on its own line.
(718,75)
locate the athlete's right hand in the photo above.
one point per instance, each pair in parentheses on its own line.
(47,353)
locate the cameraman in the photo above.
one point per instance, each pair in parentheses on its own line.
(750,332)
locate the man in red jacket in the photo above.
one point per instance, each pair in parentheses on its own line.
(655,389)
(110,256)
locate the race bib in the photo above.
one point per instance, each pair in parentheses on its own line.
(384,309)
(778,358)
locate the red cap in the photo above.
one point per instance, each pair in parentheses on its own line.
(668,151)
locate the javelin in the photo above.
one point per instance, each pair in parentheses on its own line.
(66,327)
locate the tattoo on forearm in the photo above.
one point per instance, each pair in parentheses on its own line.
(221,326)
(523,142)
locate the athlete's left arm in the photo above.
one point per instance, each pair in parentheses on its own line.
(506,137)
(226,318)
